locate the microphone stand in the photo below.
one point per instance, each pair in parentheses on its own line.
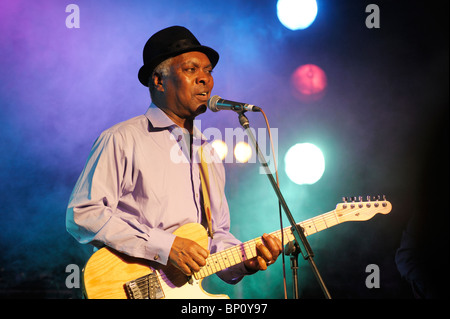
(297,232)
(293,250)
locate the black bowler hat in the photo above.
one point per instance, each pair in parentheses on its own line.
(168,43)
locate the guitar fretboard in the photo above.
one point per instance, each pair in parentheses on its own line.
(242,252)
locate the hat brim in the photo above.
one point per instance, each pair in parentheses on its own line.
(146,70)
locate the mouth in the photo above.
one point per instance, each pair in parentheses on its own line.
(203,96)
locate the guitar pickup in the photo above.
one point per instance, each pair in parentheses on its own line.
(145,287)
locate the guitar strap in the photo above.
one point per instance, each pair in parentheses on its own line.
(204,177)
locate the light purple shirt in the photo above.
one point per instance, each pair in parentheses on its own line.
(139,185)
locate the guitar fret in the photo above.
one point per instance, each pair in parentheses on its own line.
(331,219)
(307,227)
(251,252)
(245,252)
(225,259)
(334,217)
(219,262)
(214,263)
(324,220)
(319,223)
(235,254)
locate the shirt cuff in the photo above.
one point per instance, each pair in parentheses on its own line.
(234,274)
(159,246)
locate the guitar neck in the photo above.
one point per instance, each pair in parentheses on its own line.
(242,252)
(346,211)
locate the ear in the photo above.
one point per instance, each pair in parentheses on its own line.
(158,82)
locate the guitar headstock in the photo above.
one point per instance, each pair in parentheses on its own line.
(354,209)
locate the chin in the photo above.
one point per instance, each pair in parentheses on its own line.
(201,109)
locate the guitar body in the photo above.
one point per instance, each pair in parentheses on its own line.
(107,272)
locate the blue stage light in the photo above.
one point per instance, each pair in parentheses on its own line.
(297,14)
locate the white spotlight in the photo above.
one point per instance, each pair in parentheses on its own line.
(297,14)
(304,163)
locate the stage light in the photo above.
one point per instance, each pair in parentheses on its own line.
(221,148)
(309,82)
(304,163)
(297,14)
(242,152)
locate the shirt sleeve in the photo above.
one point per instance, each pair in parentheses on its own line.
(92,215)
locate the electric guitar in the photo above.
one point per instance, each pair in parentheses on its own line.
(109,274)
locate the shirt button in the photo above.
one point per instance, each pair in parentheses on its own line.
(156,257)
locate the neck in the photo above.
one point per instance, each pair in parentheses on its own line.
(186,123)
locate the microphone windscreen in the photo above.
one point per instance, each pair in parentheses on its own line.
(212,103)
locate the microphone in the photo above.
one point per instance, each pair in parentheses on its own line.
(216,103)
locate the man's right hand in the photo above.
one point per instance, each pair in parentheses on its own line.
(187,255)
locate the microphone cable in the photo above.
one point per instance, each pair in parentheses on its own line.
(279,204)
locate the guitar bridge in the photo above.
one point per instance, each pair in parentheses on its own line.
(145,287)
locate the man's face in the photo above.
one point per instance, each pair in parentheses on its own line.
(189,84)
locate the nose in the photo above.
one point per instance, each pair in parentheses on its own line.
(204,77)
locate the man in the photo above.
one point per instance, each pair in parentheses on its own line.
(136,189)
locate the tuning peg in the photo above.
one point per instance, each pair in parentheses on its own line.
(368,198)
(352,205)
(384,201)
(376,199)
(344,199)
(360,205)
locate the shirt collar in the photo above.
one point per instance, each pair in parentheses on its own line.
(159,119)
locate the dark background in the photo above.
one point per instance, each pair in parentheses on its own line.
(382,125)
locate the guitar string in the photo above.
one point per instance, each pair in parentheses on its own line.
(140,283)
(240,252)
(144,284)
(249,248)
(325,218)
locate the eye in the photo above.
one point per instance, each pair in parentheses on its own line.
(191,70)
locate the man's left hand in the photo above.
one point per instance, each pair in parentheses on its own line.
(268,252)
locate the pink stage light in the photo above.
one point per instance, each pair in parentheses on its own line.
(309,82)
